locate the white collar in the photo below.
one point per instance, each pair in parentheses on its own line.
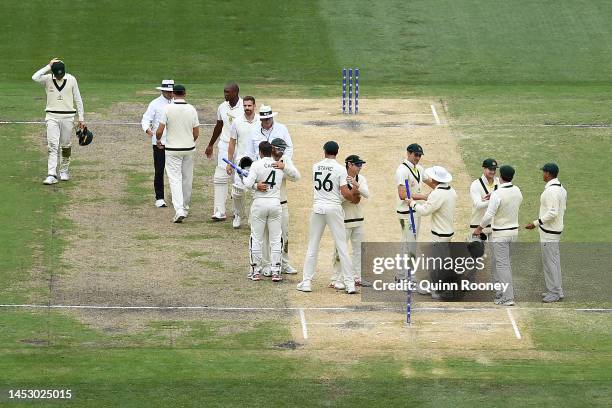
(410,164)
(484,179)
(551,182)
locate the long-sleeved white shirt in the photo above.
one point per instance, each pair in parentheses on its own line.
(291,174)
(278,130)
(353,213)
(440,204)
(503,210)
(152,116)
(553,202)
(62,95)
(478,189)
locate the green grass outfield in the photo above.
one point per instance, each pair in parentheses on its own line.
(502,68)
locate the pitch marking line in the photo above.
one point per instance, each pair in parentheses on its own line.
(366,124)
(254,309)
(303,321)
(435,114)
(517,333)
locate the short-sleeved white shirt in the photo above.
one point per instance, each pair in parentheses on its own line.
(241,130)
(228,114)
(415,176)
(180,119)
(262,171)
(328,176)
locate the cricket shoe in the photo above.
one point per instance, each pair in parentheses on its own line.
(289,270)
(179,217)
(304,286)
(362,283)
(236,222)
(551,298)
(218,216)
(276,277)
(336,285)
(256,276)
(504,302)
(544,294)
(160,203)
(50,180)
(64,175)
(350,289)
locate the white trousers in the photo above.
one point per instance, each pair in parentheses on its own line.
(221,180)
(59,133)
(407,235)
(265,216)
(503,267)
(334,218)
(179,168)
(354,235)
(551,263)
(284,239)
(239,197)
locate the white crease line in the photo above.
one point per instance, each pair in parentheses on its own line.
(435,114)
(339,308)
(303,321)
(517,333)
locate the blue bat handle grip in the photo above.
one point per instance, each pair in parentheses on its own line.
(238,169)
(412,224)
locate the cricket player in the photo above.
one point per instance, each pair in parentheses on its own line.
(480,193)
(229,110)
(62,97)
(265,178)
(353,222)
(240,133)
(150,123)
(502,213)
(330,186)
(180,123)
(268,131)
(440,204)
(291,174)
(553,202)
(410,170)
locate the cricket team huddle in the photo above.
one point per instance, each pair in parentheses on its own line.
(254,156)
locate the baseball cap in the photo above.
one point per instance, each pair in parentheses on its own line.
(506,172)
(58,68)
(331,147)
(489,164)
(551,168)
(178,89)
(415,148)
(279,143)
(353,158)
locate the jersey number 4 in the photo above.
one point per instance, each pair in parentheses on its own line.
(271,180)
(326,184)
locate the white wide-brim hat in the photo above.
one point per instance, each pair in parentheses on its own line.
(439,174)
(265,112)
(166,85)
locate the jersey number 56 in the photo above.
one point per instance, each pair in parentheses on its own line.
(325,183)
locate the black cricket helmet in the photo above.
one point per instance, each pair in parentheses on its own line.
(85,136)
